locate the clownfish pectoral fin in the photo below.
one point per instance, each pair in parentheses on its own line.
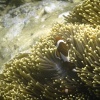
(57,55)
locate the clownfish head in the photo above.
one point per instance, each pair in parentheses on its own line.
(57,39)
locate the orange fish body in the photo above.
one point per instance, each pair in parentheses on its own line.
(62,49)
(62,53)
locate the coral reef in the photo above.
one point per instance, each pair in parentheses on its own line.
(39,75)
(87,12)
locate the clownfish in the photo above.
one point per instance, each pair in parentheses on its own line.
(62,52)
(62,49)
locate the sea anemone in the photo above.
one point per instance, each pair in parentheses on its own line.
(88,12)
(84,51)
(39,75)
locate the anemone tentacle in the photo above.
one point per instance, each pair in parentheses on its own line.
(39,75)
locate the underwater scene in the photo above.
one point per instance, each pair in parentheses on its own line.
(49,49)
